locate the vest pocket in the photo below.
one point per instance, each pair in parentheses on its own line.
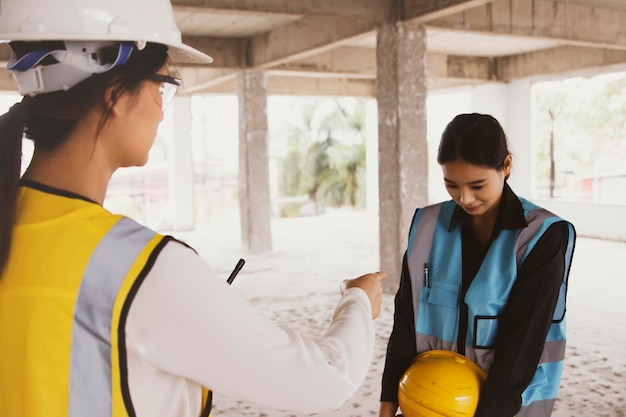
(485,330)
(446,295)
(438,314)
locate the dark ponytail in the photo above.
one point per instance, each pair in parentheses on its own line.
(11,132)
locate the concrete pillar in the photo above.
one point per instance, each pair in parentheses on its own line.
(180,167)
(401,92)
(254,188)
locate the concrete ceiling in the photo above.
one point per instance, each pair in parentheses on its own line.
(329,46)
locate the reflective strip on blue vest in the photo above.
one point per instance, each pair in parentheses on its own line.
(90,370)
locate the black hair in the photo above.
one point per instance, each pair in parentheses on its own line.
(475,138)
(49,119)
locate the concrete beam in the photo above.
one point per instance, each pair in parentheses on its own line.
(303,38)
(604,4)
(281,84)
(562,60)
(226,52)
(470,69)
(198,79)
(435,84)
(361,63)
(571,23)
(308,86)
(377,10)
(426,10)
(344,61)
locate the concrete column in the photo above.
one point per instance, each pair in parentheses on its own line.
(401,92)
(254,188)
(180,167)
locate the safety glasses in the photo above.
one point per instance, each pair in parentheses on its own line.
(168,88)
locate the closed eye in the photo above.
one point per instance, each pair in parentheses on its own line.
(473,187)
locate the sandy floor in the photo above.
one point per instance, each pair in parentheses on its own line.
(297,284)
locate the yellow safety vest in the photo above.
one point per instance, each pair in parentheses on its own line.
(73,272)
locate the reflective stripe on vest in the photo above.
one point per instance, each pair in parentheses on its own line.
(90,373)
(435,272)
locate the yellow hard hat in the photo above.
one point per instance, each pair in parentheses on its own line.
(440,383)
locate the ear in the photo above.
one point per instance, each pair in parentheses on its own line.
(507,165)
(112,99)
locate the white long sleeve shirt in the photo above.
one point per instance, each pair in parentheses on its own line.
(187,328)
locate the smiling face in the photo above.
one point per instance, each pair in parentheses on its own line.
(477,189)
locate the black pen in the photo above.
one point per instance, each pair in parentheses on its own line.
(233,274)
(426,275)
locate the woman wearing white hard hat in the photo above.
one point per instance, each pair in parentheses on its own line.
(100,316)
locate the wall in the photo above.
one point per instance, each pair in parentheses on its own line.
(603,221)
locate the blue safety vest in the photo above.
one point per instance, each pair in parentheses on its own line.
(436,275)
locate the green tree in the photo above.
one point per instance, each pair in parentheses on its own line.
(325,156)
(316,170)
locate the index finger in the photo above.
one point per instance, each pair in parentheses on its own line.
(380,275)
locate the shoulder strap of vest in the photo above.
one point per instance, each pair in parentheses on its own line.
(182,243)
(207,400)
(423,227)
(539,220)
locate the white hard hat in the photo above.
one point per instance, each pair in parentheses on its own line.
(88,23)
(90,20)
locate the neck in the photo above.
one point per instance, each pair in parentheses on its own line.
(483,228)
(76,166)
(483,225)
